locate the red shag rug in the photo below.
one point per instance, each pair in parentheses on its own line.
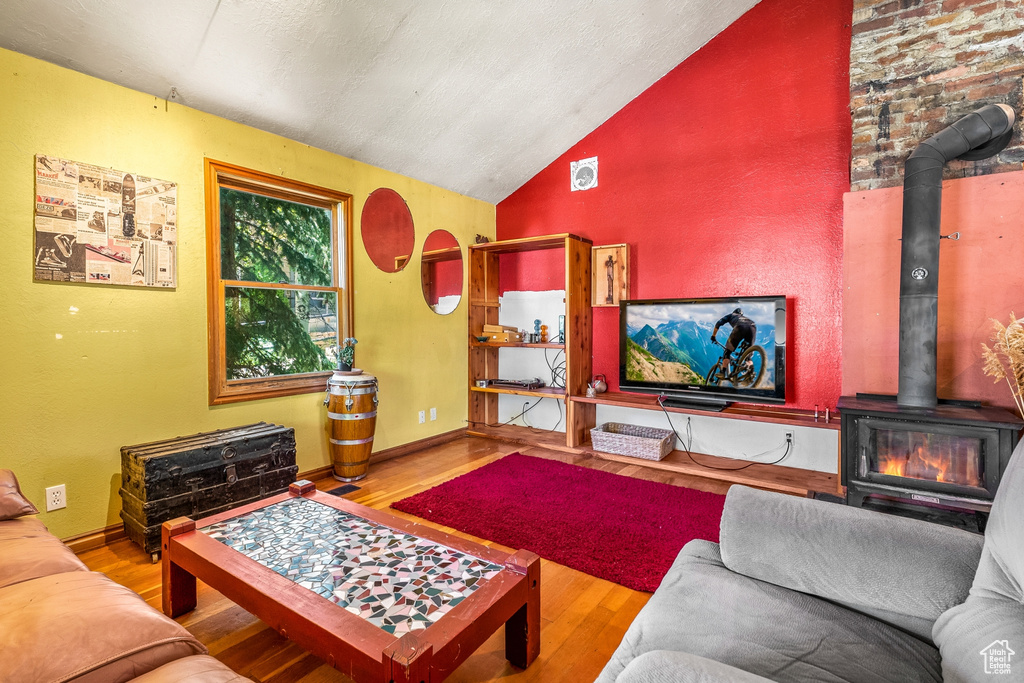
(618,528)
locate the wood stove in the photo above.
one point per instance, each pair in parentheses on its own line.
(916,449)
(951,456)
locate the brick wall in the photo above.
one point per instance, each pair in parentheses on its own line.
(918,65)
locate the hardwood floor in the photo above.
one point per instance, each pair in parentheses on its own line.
(583,618)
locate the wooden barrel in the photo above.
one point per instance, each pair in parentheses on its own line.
(352,417)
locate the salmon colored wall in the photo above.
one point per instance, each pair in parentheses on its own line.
(726,178)
(86,369)
(980,277)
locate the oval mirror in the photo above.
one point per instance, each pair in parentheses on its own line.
(387,230)
(441,272)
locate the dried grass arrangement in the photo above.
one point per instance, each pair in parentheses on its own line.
(1005,360)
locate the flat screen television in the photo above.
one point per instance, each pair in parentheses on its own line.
(671,347)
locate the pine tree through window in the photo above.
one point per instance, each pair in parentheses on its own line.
(278,283)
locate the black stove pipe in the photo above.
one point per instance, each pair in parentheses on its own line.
(978,135)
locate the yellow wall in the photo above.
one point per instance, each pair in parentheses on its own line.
(89,368)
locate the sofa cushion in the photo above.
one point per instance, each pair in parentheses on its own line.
(28,551)
(22,527)
(82,626)
(12,502)
(837,553)
(704,609)
(669,666)
(971,633)
(993,615)
(195,669)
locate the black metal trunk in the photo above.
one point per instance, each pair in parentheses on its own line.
(202,474)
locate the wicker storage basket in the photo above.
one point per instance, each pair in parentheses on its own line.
(648,443)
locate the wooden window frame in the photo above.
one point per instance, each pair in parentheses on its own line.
(220,174)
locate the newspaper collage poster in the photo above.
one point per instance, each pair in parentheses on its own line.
(103,226)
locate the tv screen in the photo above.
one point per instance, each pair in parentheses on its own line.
(705,351)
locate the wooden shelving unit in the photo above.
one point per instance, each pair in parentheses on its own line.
(770,477)
(780,478)
(773,477)
(581,411)
(754,413)
(525,436)
(515,345)
(542,392)
(484,278)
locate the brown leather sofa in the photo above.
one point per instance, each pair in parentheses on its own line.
(61,622)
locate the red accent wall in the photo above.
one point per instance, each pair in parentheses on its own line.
(726,177)
(448,279)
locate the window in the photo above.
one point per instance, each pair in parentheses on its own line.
(279,283)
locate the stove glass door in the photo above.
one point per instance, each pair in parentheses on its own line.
(943,457)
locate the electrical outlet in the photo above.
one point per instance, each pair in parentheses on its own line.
(433,414)
(56,498)
(789,437)
(423,416)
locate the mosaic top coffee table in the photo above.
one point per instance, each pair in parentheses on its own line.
(378,597)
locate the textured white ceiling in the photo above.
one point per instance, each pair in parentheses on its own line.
(476,96)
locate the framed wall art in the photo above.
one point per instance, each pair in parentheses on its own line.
(102,226)
(610,272)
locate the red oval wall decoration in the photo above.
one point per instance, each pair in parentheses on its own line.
(387,230)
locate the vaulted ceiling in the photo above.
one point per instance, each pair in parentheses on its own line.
(475,96)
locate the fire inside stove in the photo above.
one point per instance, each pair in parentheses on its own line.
(928,456)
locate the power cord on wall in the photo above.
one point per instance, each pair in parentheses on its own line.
(541,429)
(557,369)
(689,435)
(527,407)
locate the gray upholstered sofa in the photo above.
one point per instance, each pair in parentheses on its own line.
(802,590)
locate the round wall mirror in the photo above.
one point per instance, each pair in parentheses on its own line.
(387,230)
(441,272)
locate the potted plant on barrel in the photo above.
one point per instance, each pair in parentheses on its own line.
(347,354)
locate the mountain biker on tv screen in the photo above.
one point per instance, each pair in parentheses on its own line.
(743,328)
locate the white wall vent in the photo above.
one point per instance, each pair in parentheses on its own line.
(583,174)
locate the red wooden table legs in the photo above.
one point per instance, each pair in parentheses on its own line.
(522,631)
(408,660)
(179,586)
